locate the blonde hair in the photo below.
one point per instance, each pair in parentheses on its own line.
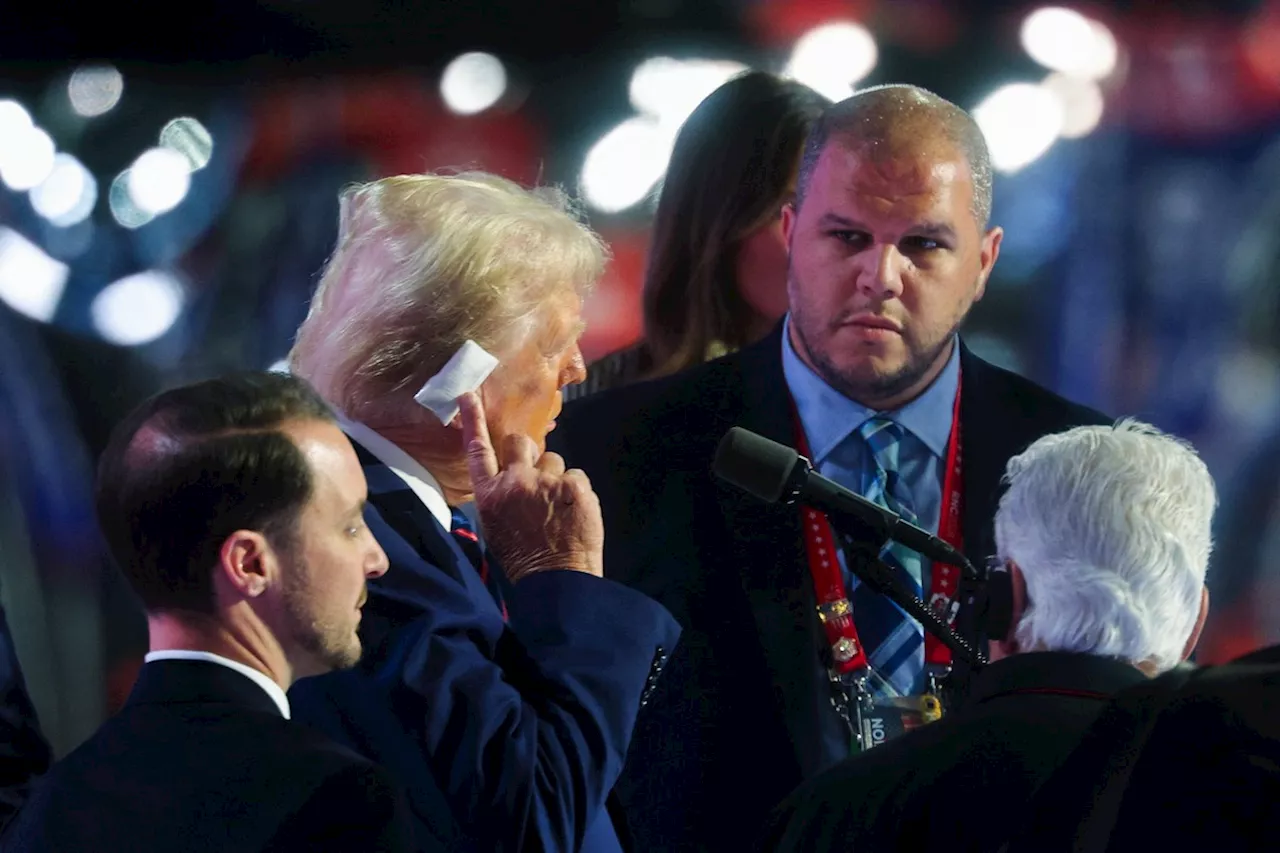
(424,263)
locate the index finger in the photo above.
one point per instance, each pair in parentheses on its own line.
(482,462)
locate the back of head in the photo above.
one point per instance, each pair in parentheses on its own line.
(1111,528)
(192,465)
(731,171)
(425,263)
(886,120)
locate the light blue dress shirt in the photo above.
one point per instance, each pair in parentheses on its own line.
(831,421)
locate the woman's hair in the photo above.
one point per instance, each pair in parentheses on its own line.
(731,172)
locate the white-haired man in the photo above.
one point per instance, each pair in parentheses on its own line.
(500,686)
(1105,533)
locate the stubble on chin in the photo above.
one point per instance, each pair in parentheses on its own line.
(334,644)
(869,386)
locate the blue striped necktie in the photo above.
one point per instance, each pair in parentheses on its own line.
(895,641)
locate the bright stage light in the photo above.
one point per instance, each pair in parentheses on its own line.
(1065,40)
(670,89)
(138,308)
(31,282)
(94,89)
(833,58)
(473,82)
(1020,121)
(1082,103)
(67,196)
(626,164)
(188,137)
(158,180)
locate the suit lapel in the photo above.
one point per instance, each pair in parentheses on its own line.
(768,547)
(994,428)
(985,441)
(409,517)
(1000,421)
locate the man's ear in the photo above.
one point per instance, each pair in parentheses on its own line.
(788,222)
(246,563)
(1190,645)
(990,251)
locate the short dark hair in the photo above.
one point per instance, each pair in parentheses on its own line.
(730,173)
(192,465)
(884,114)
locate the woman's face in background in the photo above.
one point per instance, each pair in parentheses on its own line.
(762,263)
(762,271)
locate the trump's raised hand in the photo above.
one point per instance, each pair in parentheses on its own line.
(536,515)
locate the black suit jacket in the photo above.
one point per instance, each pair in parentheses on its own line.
(943,785)
(1190,761)
(200,759)
(743,713)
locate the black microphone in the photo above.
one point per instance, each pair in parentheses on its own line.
(774,472)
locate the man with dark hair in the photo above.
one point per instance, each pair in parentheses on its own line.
(889,249)
(234,507)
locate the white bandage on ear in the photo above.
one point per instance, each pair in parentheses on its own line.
(466,371)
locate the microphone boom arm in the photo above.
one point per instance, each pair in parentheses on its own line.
(775,473)
(884,524)
(862,543)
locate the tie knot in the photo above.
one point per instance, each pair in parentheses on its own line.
(881,434)
(461,523)
(884,440)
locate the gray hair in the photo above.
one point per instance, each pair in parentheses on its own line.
(424,263)
(882,115)
(1111,527)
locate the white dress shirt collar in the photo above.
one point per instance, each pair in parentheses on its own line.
(259,678)
(405,467)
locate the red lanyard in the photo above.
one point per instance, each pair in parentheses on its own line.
(834,609)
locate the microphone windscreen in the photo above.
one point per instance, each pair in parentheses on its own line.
(754,464)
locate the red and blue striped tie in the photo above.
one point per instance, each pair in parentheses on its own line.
(465,535)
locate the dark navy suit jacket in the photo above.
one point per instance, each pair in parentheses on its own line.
(505,736)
